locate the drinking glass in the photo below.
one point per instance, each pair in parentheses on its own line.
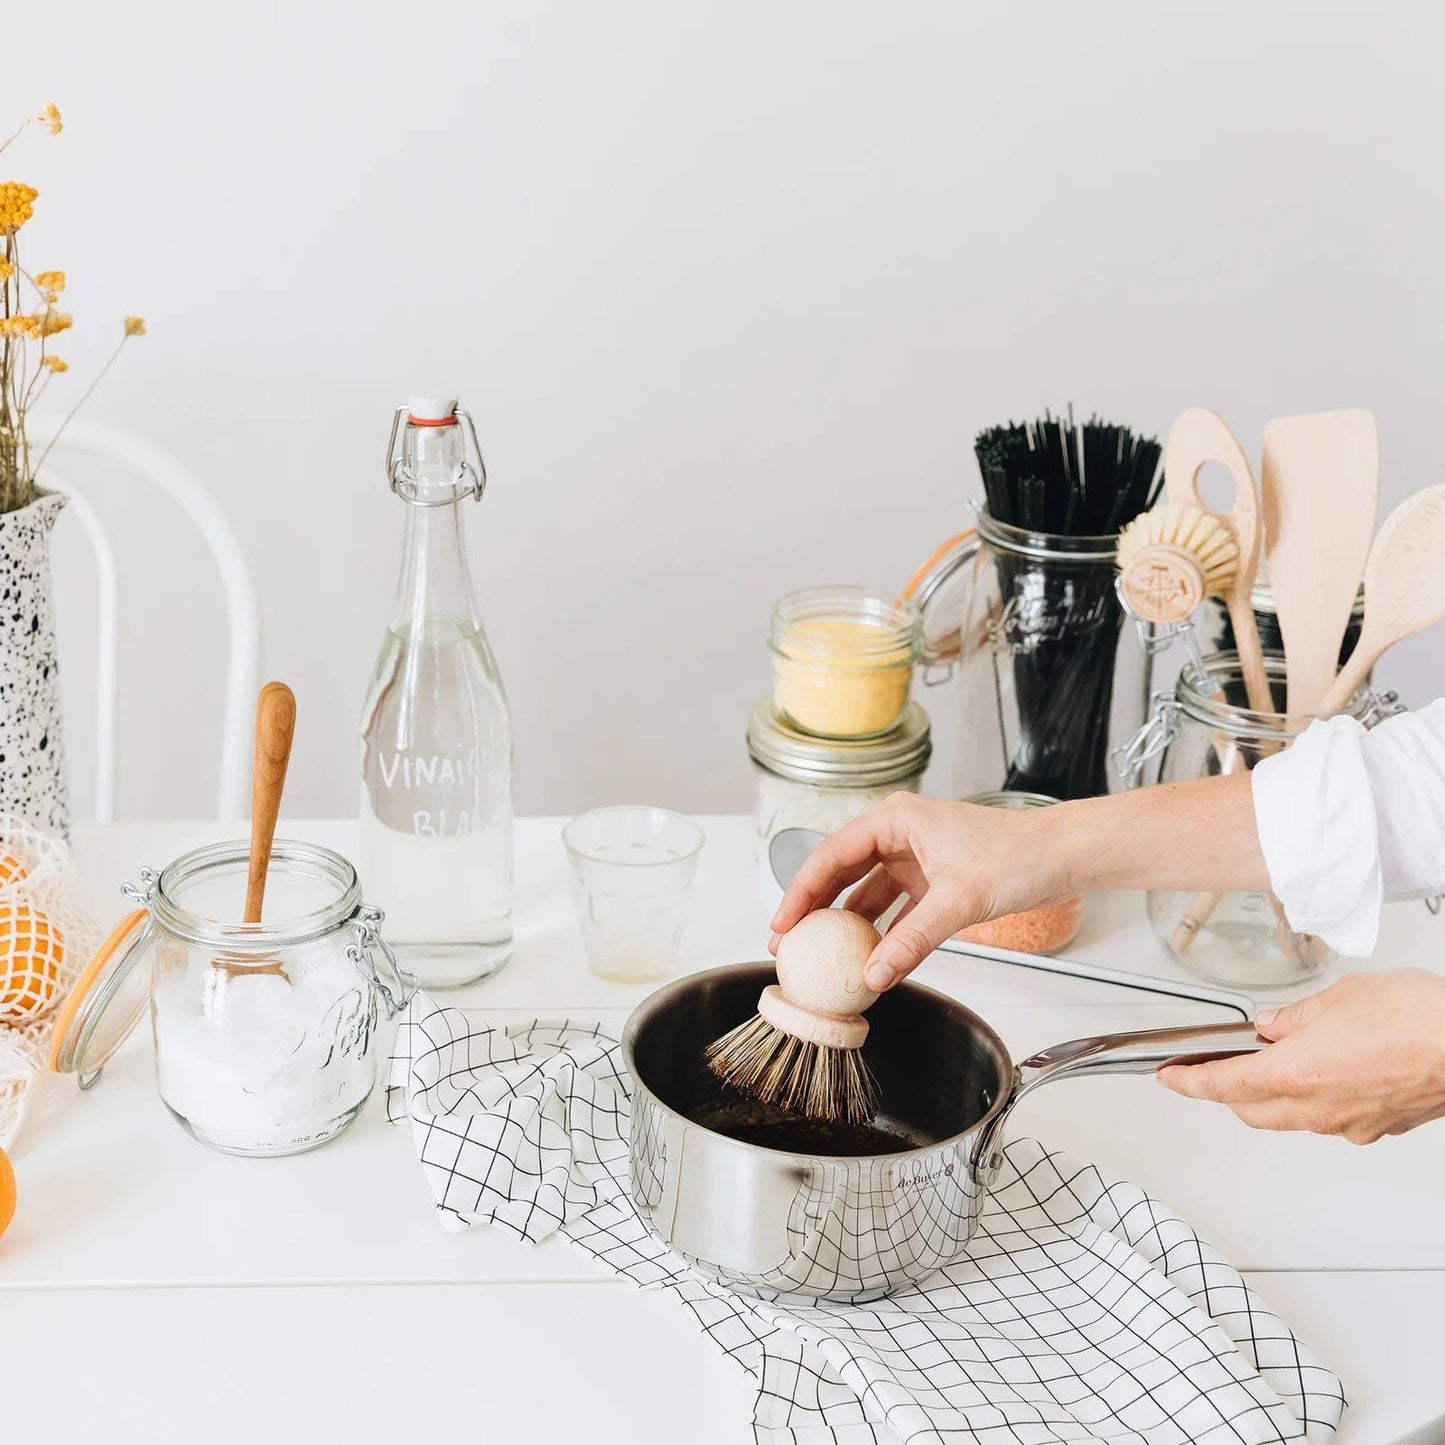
(632,874)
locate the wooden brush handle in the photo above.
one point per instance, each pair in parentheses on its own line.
(820,991)
(275,724)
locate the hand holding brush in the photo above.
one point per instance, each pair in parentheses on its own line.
(801,1051)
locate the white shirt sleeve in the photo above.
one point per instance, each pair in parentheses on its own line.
(1349,819)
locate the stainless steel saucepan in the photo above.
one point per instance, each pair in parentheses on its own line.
(771,1205)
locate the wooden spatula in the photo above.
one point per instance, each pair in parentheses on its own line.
(1320,479)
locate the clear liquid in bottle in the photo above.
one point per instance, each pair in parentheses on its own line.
(436,744)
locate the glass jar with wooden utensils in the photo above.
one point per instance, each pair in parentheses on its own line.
(265,1033)
(1024,615)
(1207,727)
(263,971)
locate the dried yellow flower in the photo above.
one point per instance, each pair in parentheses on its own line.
(15,325)
(16,204)
(53,321)
(50,119)
(6,269)
(54,363)
(135,326)
(51,282)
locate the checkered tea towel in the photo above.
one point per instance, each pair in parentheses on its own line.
(1086,1311)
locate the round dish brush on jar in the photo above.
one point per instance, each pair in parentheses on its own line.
(1172,558)
(802,1050)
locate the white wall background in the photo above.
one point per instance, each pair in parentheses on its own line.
(729,286)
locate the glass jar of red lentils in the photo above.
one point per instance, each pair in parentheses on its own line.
(1037,930)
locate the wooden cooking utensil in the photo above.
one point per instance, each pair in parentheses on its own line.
(1198,437)
(1320,480)
(275,725)
(1404,588)
(1404,594)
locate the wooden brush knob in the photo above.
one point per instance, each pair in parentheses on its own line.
(1162,583)
(820,991)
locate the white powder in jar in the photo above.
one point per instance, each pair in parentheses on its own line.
(265,1062)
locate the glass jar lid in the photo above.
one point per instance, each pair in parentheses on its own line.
(1016,801)
(900,753)
(106,1003)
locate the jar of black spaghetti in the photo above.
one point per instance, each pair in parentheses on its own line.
(1024,615)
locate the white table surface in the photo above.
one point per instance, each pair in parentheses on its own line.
(174,1294)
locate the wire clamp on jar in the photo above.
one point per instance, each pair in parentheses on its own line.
(368,943)
(1159,730)
(1384,705)
(474,478)
(141,893)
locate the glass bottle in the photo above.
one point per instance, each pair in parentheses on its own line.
(436,732)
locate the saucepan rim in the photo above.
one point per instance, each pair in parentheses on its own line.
(677,988)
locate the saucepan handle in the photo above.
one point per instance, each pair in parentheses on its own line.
(1128,1053)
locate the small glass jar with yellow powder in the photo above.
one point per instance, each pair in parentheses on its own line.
(843,660)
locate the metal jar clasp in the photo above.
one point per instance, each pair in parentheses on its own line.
(397,988)
(1159,730)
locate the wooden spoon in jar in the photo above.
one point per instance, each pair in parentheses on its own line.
(275,727)
(1404,589)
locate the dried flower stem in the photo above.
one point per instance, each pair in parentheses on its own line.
(22,385)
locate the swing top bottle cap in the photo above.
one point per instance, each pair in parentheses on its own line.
(431,410)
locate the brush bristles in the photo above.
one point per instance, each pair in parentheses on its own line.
(1191,529)
(775,1068)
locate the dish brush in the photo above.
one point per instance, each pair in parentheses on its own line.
(801,1051)
(1172,558)
(1169,560)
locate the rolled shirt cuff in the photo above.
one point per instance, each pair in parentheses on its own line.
(1315,810)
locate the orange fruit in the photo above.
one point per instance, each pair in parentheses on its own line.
(31,952)
(7,1192)
(12,870)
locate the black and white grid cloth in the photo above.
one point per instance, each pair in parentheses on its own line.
(1086,1311)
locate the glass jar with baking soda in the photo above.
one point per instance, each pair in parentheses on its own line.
(843,660)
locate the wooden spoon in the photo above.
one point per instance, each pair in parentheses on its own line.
(1320,479)
(275,725)
(1198,437)
(1404,589)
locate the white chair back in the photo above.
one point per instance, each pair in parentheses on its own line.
(163,471)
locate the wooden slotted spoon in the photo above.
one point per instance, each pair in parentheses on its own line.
(1320,478)
(1200,436)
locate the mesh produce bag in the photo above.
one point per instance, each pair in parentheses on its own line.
(46,937)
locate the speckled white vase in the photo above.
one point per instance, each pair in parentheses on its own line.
(33,783)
